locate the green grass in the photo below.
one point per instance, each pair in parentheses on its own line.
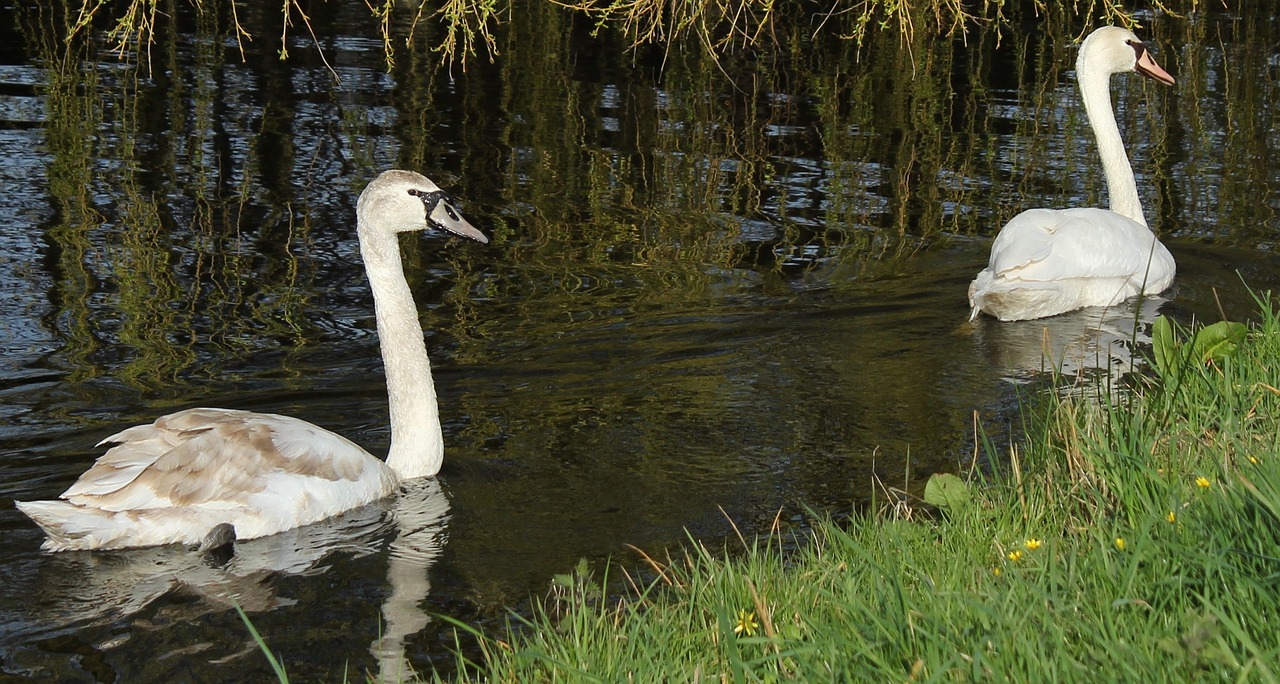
(276,666)
(1134,538)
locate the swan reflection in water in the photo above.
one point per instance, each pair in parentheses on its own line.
(419,518)
(81,591)
(1076,345)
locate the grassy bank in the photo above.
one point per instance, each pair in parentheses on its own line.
(1133,539)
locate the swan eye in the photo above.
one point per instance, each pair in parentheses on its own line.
(429,198)
(433,199)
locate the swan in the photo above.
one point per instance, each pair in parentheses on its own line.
(1048,261)
(206,476)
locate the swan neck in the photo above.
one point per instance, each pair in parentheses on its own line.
(1122,187)
(417,443)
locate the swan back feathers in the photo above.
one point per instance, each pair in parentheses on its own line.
(202,455)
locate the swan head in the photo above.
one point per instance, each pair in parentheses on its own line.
(400,201)
(1115,50)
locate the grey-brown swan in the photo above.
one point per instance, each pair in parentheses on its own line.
(212,474)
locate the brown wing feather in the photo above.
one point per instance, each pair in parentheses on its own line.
(203,456)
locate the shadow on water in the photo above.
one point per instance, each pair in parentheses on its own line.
(716,292)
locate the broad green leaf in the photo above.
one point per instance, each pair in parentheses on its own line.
(946,491)
(1218,341)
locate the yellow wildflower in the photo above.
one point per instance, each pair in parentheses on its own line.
(1032,544)
(1171,517)
(1120,543)
(1202,482)
(746,623)
(1254,460)
(995,571)
(1015,556)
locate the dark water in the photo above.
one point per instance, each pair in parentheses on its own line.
(717,294)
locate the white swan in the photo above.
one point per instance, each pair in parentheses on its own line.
(1045,261)
(192,476)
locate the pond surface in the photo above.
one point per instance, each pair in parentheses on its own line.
(717,295)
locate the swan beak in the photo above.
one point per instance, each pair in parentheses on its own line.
(444,216)
(1148,67)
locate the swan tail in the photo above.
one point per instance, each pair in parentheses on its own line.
(1025,302)
(70,527)
(983,295)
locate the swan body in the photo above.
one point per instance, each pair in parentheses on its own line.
(189,475)
(1049,261)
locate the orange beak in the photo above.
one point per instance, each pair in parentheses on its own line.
(1148,67)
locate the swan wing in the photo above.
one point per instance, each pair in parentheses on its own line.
(1046,245)
(214,458)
